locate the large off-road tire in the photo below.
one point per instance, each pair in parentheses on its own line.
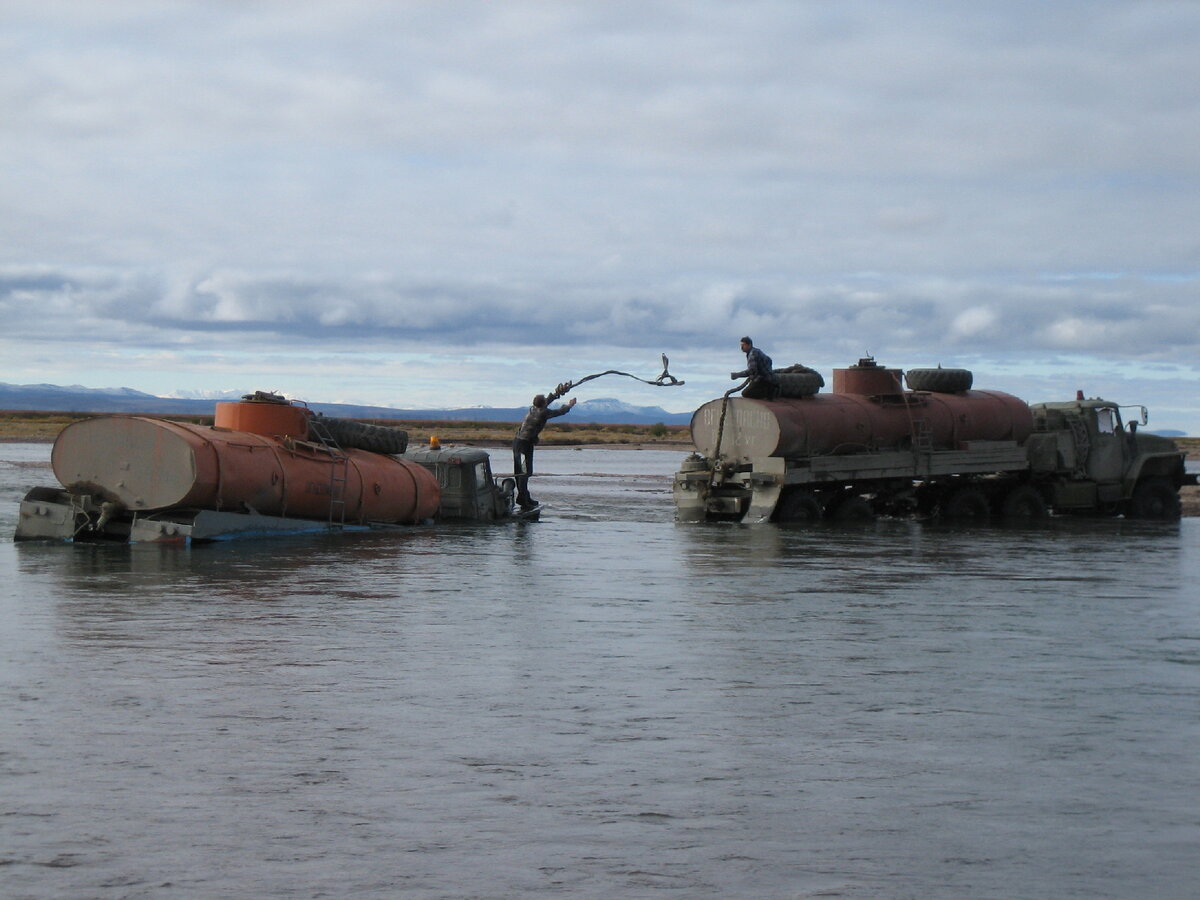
(1155,498)
(966,504)
(361,436)
(1023,503)
(799,381)
(798,507)
(939,381)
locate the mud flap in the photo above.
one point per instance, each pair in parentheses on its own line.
(45,520)
(766,484)
(690,490)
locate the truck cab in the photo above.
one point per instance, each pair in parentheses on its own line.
(1099,461)
(470,492)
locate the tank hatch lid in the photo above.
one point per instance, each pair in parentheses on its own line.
(143,464)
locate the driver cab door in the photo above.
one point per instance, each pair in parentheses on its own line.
(1107,459)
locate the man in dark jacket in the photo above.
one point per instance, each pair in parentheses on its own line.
(523,443)
(764,383)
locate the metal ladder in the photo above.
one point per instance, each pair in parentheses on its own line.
(338,472)
(922,436)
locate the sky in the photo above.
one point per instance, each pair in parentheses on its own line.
(447,203)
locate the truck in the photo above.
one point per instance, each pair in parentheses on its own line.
(935,449)
(265,467)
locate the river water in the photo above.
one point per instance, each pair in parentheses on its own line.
(603,704)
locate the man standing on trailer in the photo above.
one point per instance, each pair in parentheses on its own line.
(764,383)
(527,436)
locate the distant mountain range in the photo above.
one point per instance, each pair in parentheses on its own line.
(76,398)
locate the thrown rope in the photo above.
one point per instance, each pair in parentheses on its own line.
(666,379)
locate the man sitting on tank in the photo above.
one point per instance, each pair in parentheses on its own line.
(764,383)
(527,436)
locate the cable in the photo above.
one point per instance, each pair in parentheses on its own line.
(666,379)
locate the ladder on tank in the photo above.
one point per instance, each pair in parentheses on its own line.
(922,436)
(921,442)
(339,470)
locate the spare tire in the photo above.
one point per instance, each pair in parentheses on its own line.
(939,380)
(361,436)
(799,381)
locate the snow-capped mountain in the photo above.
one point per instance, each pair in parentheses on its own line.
(76,398)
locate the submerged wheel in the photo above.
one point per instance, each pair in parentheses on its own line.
(967,504)
(1154,498)
(1023,502)
(939,381)
(798,507)
(853,509)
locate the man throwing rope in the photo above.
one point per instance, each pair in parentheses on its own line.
(527,437)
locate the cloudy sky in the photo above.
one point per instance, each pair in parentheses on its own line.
(460,203)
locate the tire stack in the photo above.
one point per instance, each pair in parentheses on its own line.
(799,381)
(361,436)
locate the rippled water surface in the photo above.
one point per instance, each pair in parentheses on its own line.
(603,704)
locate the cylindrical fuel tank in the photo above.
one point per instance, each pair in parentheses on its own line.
(150,464)
(871,379)
(257,417)
(853,423)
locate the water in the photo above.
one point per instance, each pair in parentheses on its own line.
(603,704)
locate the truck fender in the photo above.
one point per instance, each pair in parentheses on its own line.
(766,484)
(1138,466)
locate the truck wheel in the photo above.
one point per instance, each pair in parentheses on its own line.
(967,504)
(798,507)
(1154,498)
(853,509)
(1023,502)
(939,381)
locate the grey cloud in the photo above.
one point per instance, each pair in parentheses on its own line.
(1127,317)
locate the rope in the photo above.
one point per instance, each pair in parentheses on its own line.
(721,424)
(666,379)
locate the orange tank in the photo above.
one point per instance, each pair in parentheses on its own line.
(147,464)
(277,419)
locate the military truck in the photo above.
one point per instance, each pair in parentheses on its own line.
(470,492)
(937,449)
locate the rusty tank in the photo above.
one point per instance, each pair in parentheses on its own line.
(868,410)
(144,465)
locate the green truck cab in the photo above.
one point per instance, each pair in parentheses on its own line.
(1090,458)
(470,492)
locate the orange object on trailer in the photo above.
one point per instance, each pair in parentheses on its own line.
(146,464)
(263,417)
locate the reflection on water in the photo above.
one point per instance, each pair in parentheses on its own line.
(605,704)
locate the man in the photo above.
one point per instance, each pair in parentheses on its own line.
(764,383)
(527,436)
